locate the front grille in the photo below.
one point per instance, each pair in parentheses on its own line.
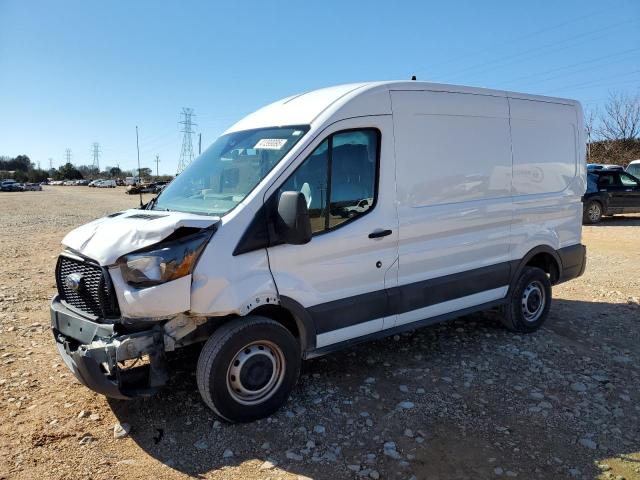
(95,294)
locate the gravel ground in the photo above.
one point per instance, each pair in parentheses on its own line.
(465,399)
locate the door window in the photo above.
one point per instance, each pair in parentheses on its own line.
(628,181)
(339,178)
(606,181)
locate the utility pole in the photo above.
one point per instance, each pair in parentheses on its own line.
(186,153)
(157,162)
(199,143)
(95,149)
(67,154)
(139,179)
(50,163)
(38,164)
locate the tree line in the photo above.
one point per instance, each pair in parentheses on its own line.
(22,169)
(613,133)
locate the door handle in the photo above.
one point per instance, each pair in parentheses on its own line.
(380,233)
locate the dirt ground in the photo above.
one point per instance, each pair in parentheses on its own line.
(465,399)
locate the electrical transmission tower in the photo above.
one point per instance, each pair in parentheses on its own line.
(95,150)
(157,160)
(186,153)
(67,154)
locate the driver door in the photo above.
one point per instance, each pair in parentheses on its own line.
(342,275)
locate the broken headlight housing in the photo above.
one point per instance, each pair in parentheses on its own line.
(165,261)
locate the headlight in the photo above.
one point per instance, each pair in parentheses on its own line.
(165,261)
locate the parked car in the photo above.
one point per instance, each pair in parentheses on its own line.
(348,210)
(94,183)
(241,252)
(33,187)
(106,184)
(634,168)
(7,185)
(610,192)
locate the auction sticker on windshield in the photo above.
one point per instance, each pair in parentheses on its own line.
(271,143)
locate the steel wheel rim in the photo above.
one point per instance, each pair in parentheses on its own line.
(594,212)
(533,301)
(256,372)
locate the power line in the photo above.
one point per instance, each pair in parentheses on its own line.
(593,82)
(186,153)
(492,47)
(536,52)
(571,67)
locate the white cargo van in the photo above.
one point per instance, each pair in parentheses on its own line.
(264,250)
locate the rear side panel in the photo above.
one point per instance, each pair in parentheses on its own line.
(548,175)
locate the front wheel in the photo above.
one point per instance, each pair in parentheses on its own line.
(529,303)
(247,368)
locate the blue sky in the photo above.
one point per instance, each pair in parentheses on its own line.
(77,72)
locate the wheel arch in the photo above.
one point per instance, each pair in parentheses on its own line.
(544,257)
(294,317)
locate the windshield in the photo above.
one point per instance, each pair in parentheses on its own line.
(228,170)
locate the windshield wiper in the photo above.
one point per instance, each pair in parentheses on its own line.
(151,203)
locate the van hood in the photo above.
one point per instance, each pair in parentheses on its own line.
(108,238)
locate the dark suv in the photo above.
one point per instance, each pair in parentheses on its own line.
(610,192)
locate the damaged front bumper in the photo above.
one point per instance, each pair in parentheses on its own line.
(103,360)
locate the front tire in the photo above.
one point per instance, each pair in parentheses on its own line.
(529,303)
(248,368)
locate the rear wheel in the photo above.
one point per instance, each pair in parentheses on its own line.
(592,212)
(247,368)
(530,301)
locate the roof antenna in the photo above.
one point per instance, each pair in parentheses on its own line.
(413,77)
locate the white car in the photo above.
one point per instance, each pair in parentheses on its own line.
(360,207)
(472,202)
(634,168)
(106,184)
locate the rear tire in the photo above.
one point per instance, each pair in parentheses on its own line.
(592,212)
(248,368)
(529,303)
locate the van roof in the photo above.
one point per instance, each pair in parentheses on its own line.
(318,105)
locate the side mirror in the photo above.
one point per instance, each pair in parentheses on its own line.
(293,225)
